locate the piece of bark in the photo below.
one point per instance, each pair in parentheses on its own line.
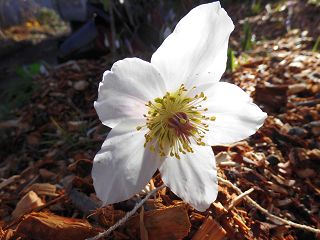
(27,203)
(219,209)
(297,88)
(210,230)
(283,139)
(44,189)
(7,234)
(9,181)
(152,204)
(107,216)
(314,154)
(241,225)
(39,226)
(82,202)
(306,172)
(46,174)
(81,167)
(167,223)
(14,123)
(272,97)
(143,230)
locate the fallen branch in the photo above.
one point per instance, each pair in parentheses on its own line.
(126,217)
(263,210)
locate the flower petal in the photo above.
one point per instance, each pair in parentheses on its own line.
(125,89)
(193,178)
(196,51)
(237,117)
(123,166)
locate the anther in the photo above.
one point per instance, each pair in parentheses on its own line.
(175,121)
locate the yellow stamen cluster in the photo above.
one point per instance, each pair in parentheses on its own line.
(175,121)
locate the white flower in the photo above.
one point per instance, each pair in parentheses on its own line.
(166,114)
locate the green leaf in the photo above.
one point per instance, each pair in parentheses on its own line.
(256,7)
(247,41)
(315,47)
(105,4)
(232,61)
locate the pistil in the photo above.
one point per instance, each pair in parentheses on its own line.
(175,122)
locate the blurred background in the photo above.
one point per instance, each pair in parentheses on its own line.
(39,34)
(54,52)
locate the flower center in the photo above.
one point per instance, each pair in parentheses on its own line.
(175,121)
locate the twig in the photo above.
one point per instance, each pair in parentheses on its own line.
(238,199)
(126,217)
(263,210)
(9,181)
